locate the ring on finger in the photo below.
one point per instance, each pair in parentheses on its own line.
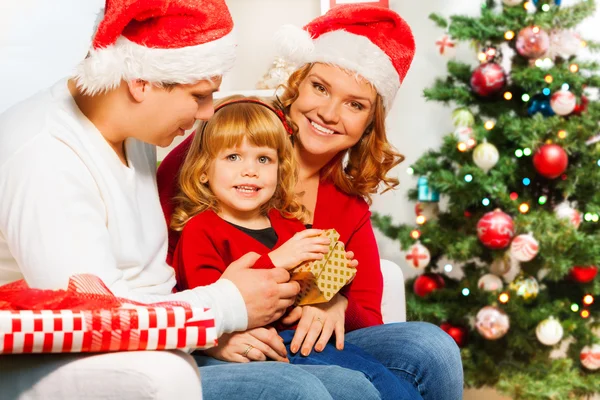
(250,347)
(318,319)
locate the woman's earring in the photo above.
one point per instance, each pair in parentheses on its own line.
(203,178)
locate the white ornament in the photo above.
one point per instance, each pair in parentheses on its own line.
(565,211)
(563,102)
(462,117)
(564,44)
(446,46)
(544,63)
(490,283)
(524,248)
(418,256)
(590,357)
(511,3)
(549,331)
(485,156)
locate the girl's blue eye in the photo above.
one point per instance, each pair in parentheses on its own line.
(233,157)
(263,159)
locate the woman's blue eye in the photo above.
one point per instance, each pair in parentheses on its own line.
(319,87)
(357,106)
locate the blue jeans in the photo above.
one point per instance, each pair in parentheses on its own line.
(389,386)
(418,352)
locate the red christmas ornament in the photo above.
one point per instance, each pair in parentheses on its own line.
(550,160)
(583,274)
(495,229)
(487,79)
(427,283)
(458,333)
(581,106)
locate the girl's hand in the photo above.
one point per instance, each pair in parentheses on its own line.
(317,323)
(258,344)
(307,245)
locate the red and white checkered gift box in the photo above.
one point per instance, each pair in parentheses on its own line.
(97,321)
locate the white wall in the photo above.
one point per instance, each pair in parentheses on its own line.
(40,42)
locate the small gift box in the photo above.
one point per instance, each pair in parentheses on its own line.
(87,317)
(320,280)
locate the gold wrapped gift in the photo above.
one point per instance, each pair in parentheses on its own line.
(320,280)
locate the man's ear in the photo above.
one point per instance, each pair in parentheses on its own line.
(138,89)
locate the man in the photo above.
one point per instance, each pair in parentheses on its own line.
(78,195)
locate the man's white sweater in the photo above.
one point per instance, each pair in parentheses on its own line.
(68,205)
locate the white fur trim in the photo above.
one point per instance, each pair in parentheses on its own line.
(346,50)
(104,68)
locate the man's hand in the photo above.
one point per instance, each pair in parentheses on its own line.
(266,292)
(258,344)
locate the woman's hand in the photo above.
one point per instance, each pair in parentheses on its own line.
(258,344)
(317,323)
(307,245)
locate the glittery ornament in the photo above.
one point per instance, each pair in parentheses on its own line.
(485,156)
(549,332)
(563,102)
(532,42)
(490,283)
(524,248)
(425,192)
(418,256)
(590,357)
(526,288)
(278,74)
(492,323)
(495,229)
(488,79)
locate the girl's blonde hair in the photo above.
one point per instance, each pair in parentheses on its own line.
(227,129)
(369,160)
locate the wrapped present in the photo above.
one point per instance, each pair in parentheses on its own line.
(87,317)
(320,280)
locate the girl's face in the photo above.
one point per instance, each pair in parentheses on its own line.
(332,110)
(243,179)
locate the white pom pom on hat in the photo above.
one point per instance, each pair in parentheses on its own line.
(373,41)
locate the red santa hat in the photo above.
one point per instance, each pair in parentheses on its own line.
(370,40)
(160,41)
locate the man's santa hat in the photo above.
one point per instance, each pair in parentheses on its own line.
(370,40)
(160,41)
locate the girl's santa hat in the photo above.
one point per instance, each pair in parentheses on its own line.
(160,41)
(370,40)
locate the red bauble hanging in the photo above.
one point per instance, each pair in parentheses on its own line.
(583,274)
(458,333)
(495,229)
(488,79)
(427,283)
(550,160)
(581,106)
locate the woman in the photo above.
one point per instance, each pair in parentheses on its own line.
(353,60)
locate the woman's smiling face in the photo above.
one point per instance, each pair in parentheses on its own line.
(333,109)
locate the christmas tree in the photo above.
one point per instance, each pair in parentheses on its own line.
(518,183)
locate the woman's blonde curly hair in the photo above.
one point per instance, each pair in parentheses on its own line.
(226,130)
(368,161)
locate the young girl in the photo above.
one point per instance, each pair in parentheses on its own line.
(237,196)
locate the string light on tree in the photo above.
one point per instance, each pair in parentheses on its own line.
(588,299)
(503,298)
(524,208)
(574,68)
(509,35)
(585,313)
(415,234)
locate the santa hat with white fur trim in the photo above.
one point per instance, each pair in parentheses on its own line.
(370,40)
(160,41)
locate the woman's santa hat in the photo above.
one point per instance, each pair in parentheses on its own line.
(159,41)
(370,40)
